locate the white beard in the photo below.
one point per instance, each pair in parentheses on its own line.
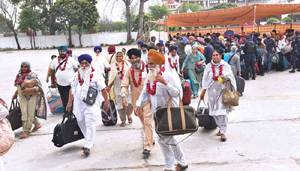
(152,74)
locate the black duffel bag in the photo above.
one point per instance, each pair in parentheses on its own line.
(67,131)
(175,120)
(15,115)
(204,119)
(110,117)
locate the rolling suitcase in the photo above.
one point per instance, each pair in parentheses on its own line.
(67,131)
(110,117)
(187,92)
(240,84)
(204,119)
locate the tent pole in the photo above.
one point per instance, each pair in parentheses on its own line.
(292,21)
(254,16)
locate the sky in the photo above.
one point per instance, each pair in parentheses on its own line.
(114,9)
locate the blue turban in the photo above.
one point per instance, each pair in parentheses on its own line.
(63,48)
(161,42)
(86,57)
(97,48)
(140,42)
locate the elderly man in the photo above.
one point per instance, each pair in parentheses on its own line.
(134,80)
(161,86)
(87,113)
(100,62)
(62,71)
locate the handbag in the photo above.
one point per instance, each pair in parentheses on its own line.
(67,131)
(204,119)
(91,96)
(54,101)
(199,68)
(175,120)
(15,115)
(7,136)
(230,97)
(275,58)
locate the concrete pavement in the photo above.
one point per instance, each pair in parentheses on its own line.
(263,133)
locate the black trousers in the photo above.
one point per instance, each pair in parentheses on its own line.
(250,68)
(260,66)
(64,94)
(295,61)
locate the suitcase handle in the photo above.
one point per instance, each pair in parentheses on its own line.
(68,115)
(200,103)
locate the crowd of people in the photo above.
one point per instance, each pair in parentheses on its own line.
(142,79)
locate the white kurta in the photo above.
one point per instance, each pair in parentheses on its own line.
(214,88)
(173,60)
(87,116)
(100,63)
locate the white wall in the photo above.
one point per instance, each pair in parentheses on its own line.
(87,40)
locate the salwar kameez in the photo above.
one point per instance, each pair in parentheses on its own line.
(214,92)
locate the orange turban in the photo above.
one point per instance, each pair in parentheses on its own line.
(156,57)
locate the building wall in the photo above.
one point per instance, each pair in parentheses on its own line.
(87,40)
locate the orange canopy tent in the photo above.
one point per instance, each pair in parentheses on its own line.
(238,15)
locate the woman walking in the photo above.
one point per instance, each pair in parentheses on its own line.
(213,83)
(194,65)
(28,90)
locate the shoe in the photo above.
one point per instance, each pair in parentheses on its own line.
(292,71)
(223,138)
(86,152)
(298,70)
(37,127)
(218,134)
(123,124)
(181,168)
(253,78)
(146,154)
(24,135)
(130,120)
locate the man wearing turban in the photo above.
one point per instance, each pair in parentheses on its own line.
(134,80)
(160,87)
(87,115)
(100,62)
(62,70)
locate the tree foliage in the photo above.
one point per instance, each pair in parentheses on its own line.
(273,20)
(30,18)
(158,12)
(192,6)
(287,19)
(224,6)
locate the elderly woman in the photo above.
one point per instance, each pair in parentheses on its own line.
(28,89)
(233,59)
(118,70)
(194,65)
(213,82)
(87,111)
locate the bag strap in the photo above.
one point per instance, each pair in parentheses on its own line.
(200,103)
(56,69)
(111,58)
(231,58)
(183,139)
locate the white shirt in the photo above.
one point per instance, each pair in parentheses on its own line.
(100,63)
(144,57)
(64,77)
(173,60)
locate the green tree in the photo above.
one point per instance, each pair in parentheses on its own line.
(81,14)
(287,19)
(158,12)
(224,6)
(192,6)
(273,20)
(9,11)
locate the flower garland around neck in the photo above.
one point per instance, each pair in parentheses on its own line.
(81,81)
(65,63)
(136,84)
(214,72)
(122,70)
(172,65)
(152,91)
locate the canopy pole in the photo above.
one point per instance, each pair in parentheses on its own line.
(292,21)
(254,18)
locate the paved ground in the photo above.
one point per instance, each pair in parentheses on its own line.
(263,133)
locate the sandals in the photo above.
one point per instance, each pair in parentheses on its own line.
(223,138)
(181,167)
(130,120)
(24,135)
(86,152)
(123,124)
(37,127)
(146,154)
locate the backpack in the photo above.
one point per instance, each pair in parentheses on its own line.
(250,47)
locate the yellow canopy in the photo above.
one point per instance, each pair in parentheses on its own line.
(238,15)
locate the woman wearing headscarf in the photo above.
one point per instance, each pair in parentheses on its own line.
(116,75)
(194,64)
(28,89)
(233,59)
(213,83)
(86,113)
